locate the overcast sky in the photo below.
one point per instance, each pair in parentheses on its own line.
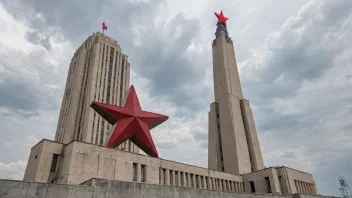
(294,60)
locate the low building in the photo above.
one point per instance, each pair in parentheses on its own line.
(78,162)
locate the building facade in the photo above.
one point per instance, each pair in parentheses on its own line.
(233,142)
(99,72)
(78,162)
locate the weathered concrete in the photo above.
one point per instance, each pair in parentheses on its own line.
(237,143)
(96,188)
(79,162)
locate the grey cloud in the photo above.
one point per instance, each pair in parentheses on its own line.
(161,55)
(288,154)
(204,145)
(199,136)
(299,53)
(165,145)
(24,82)
(36,38)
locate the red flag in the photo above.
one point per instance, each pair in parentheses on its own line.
(104,27)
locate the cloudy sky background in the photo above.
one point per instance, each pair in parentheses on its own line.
(294,60)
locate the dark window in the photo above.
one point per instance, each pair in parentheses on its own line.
(197,182)
(252,186)
(164,176)
(201,181)
(171,178)
(160,176)
(187,184)
(268,187)
(102,133)
(109,75)
(281,185)
(176,178)
(54,163)
(192,185)
(134,172)
(121,80)
(129,146)
(182,180)
(142,173)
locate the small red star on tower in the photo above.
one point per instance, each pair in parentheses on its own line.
(221,18)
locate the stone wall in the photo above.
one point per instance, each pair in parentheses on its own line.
(97,188)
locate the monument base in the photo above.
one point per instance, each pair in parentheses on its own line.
(77,162)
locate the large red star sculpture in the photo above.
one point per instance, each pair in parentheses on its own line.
(221,18)
(131,123)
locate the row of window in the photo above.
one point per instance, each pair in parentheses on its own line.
(126,146)
(184,179)
(305,188)
(82,97)
(106,90)
(138,170)
(65,108)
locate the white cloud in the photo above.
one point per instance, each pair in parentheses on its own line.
(13,170)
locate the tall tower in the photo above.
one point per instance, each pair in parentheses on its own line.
(233,142)
(98,72)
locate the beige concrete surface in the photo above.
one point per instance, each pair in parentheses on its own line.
(106,188)
(100,72)
(79,162)
(233,145)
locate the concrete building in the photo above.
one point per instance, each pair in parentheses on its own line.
(233,142)
(78,162)
(99,72)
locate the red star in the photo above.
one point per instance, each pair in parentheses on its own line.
(132,123)
(221,18)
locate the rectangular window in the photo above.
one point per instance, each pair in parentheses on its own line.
(251,183)
(182,179)
(176,178)
(54,163)
(164,176)
(134,172)
(143,173)
(191,180)
(268,186)
(171,178)
(206,183)
(197,182)
(201,182)
(281,185)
